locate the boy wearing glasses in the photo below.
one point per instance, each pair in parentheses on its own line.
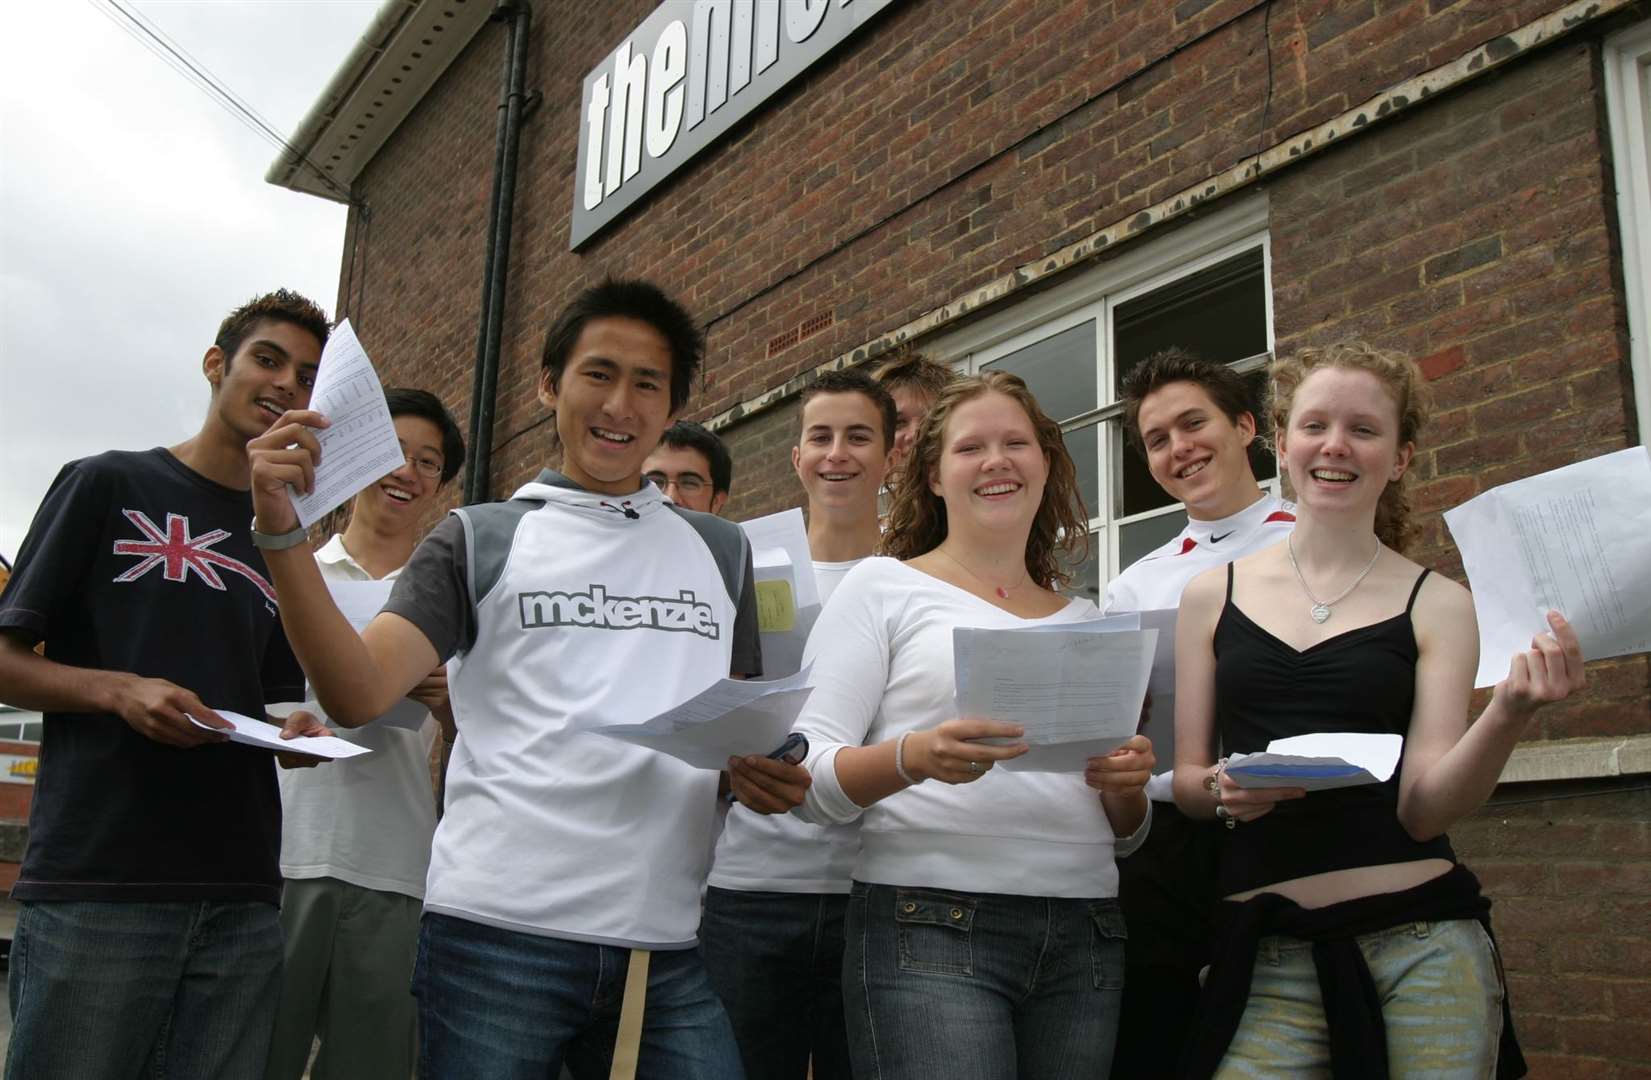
(692,467)
(355,842)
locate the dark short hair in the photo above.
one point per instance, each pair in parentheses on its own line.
(1224,386)
(622,299)
(906,367)
(405,401)
(687,435)
(855,381)
(282,305)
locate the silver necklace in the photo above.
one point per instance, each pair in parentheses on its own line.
(1321,608)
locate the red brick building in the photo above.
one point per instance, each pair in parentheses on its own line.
(1060,188)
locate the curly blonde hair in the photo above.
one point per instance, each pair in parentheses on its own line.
(1403,380)
(917,517)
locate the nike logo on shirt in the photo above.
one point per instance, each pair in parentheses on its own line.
(1223,536)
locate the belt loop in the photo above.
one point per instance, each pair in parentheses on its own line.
(627,1045)
(1421,929)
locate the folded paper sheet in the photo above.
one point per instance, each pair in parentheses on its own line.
(1577,540)
(730,718)
(1319,761)
(360,445)
(257,733)
(788,597)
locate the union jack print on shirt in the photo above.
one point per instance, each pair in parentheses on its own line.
(177,553)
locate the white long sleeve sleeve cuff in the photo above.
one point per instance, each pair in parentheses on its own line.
(826,803)
(1123,846)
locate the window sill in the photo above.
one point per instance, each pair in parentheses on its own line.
(1579,759)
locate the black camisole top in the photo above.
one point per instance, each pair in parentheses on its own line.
(1363,680)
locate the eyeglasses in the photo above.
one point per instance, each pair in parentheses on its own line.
(686,483)
(427,467)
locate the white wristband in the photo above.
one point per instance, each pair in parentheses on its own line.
(900,760)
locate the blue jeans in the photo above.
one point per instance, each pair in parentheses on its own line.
(117,989)
(1441,991)
(978,986)
(776,961)
(496,1004)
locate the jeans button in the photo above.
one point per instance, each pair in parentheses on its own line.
(908,907)
(956,914)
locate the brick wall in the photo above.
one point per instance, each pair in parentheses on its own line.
(950,143)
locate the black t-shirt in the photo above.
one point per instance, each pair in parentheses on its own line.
(137,563)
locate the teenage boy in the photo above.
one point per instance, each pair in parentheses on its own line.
(692,467)
(148,938)
(773,925)
(355,841)
(914,381)
(1192,420)
(564,858)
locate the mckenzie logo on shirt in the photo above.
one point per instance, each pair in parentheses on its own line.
(595,608)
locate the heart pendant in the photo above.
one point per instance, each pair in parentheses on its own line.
(1320,613)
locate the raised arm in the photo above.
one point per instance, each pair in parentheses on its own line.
(356,678)
(1450,767)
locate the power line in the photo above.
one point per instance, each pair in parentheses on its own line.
(140,29)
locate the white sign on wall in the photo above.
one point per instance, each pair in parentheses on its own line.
(687,74)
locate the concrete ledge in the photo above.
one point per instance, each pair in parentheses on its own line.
(1579,759)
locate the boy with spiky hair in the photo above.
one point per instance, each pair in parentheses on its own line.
(1192,421)
(692,467)
(773,924)
(566,870)
(148,938)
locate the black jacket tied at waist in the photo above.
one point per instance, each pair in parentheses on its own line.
(1352,1009)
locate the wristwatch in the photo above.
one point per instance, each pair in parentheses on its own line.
(278,541)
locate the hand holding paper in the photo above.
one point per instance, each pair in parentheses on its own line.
(1575,540)
(359,445)
(244,729)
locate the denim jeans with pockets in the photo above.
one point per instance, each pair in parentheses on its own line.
(121,989)
(1441,990)
(980,986)
(497,1003)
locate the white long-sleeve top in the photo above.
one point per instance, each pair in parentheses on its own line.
(882,655)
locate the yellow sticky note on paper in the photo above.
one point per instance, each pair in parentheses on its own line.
(776,607)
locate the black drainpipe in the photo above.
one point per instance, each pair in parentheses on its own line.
(478,475)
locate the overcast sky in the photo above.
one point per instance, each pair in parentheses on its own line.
(134,215)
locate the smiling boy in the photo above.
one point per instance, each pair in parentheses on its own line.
(1191,419)
(773,926)
(564,858)
(148,937)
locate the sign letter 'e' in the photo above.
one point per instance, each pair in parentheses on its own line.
(664,87)
(803,17)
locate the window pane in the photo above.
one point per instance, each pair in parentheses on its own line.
(1084,446)
(1059,370)
(33,732)
(1140,537)
(1219,313)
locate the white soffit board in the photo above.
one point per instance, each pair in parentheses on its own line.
(399,57)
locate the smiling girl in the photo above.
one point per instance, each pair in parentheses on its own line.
(1356,890)
(983,932)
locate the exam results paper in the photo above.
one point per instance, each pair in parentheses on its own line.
(1577,540)
(360,446)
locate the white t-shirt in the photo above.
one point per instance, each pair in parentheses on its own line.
(1156,580)
(882,654)
(367,821)
(573,610)
(780,852)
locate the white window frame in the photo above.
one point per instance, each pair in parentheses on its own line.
(1095,295)
(1628,108)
